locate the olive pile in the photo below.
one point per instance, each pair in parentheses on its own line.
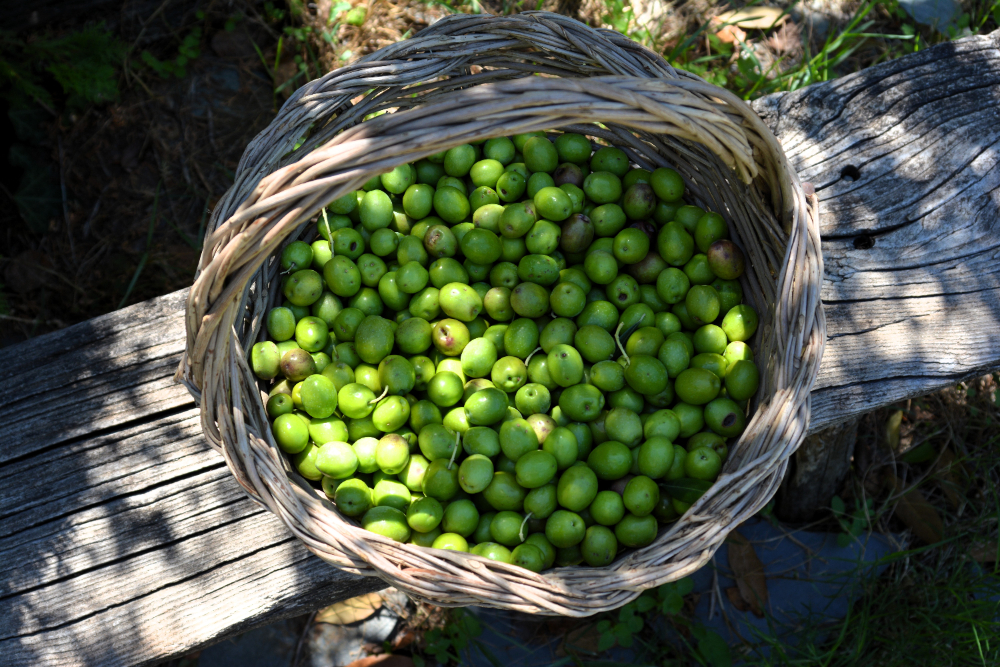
(481,352)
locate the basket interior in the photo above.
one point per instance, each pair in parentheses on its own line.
(403,79)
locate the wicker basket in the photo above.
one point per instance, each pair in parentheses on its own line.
(468,78)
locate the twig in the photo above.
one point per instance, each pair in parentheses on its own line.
(145,24)
(60,277)
(211,130)
(65,206)
(530,356)
(454,450)
(376,400)
(617,340)
(93,211)
(520,531)
(302,639)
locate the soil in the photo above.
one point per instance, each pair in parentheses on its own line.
(140,176)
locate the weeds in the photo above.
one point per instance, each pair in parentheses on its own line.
(188,50)
(84,64)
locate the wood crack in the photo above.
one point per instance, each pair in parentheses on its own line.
(111,499)
(152,591)
(141,552)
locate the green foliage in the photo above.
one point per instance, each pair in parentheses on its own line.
(626,627)
(38,197)
(85,65)
(189,49)
(930,608)
(749,78)
(853,524)
(618,14)
(273,14)
(446,644)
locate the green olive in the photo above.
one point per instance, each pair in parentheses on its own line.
(602,187)
(740,323)
(500,149)
(303,288)
(459,160)
(675,244)
(540,155)
(387,522)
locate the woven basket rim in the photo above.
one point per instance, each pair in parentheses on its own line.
(232,276)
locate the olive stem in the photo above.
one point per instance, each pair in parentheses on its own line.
(618,340)
(454,450)
(376,400)
(530,356)
(327,221)
(520,532)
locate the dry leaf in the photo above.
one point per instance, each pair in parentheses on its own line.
(945,466)
(918,514)
(985,552)
(787,39)
(581,639)
(350,611)
(735,599)
(892,426)
(403,639)
(731,34)
(382,661)
(753,18)
(748,572)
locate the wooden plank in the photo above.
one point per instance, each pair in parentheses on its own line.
(129,520)
(904,160)
(95,375)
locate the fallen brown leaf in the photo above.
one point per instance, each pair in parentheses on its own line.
(731,34)
(735,599)
(748,572)
(918,514)
(753,18)
(946,467)
(403,639)
(350,611)
(382,661)
(580,639)
(985,552)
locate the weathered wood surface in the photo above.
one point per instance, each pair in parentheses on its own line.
(123,539)
(903,157)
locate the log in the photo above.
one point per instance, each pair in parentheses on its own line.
(124,540)
(903,157)
(123,537)
(816,472)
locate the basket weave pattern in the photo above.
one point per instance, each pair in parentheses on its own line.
(468,78)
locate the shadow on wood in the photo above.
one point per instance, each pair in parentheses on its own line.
(115,513)
(903,157)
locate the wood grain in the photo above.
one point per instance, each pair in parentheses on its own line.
(904,160)
(124,539)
